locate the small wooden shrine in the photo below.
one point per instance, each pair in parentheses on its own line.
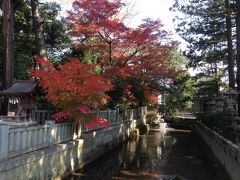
(21,101)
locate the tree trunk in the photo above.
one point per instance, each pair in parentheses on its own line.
(216,81)
(238,50)
(230,46)
(38,30)
(8,31)
(110,53)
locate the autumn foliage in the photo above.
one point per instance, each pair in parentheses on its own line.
(132,64)
(74,88)
(136,56)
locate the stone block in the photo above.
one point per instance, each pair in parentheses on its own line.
(58,160)
(3,175)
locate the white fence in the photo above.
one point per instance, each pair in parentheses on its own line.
(25,139)
(111,115)
(19,140)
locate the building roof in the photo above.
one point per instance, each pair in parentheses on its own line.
(20,88)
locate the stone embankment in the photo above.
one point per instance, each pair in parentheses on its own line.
(53,150)
(225,152)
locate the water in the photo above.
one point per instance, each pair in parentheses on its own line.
(158,155)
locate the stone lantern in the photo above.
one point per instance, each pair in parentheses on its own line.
(230,102)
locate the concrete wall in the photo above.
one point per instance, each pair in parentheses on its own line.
(226,153)
(61,159)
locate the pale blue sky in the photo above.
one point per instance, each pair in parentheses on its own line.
(156,9)
(143,9)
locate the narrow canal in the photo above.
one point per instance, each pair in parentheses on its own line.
(162,155)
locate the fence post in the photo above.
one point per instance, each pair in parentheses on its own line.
(51,133)
(143,115)
(109,115)
(125,115)
(97,112)
(131,114)
(117,115)
(135,114)
(128,114)
(140,112)
(79,131)
(4,133)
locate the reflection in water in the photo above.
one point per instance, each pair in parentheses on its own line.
(137,158)
(163,155)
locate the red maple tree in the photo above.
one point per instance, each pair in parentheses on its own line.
(74,88)
(137,56)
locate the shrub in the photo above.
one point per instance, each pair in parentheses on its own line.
(216,120)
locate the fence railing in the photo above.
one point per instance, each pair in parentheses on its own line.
(226,153)
(110,115)
(16,140)
(19,140)
(25,139)
(42,115)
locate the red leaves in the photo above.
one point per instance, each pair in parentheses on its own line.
(91,16)
(121,51)
(73,88)
(96,122)
(136,56)
(152,97)
(61,115)
(85,110)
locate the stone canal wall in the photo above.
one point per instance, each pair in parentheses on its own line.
(226,153)
(62,150)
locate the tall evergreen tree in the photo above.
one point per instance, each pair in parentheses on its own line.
(24,41)
(38,30)
(203,25)
(8,32)
(238,49)
(229,45)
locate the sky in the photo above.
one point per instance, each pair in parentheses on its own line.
(155,9)
(143,9)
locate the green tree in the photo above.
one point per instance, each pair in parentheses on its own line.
(55,32)
(40,47)
(23,40)
(8,33)
(24,46)
(133,58)
(7,59)
(238,49)
(203,25)
(179,95)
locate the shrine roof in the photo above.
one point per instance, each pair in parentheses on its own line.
(20,88)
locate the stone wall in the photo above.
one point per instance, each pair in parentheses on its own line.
(226,153)
(61,159)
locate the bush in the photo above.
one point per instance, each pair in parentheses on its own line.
(216,120)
